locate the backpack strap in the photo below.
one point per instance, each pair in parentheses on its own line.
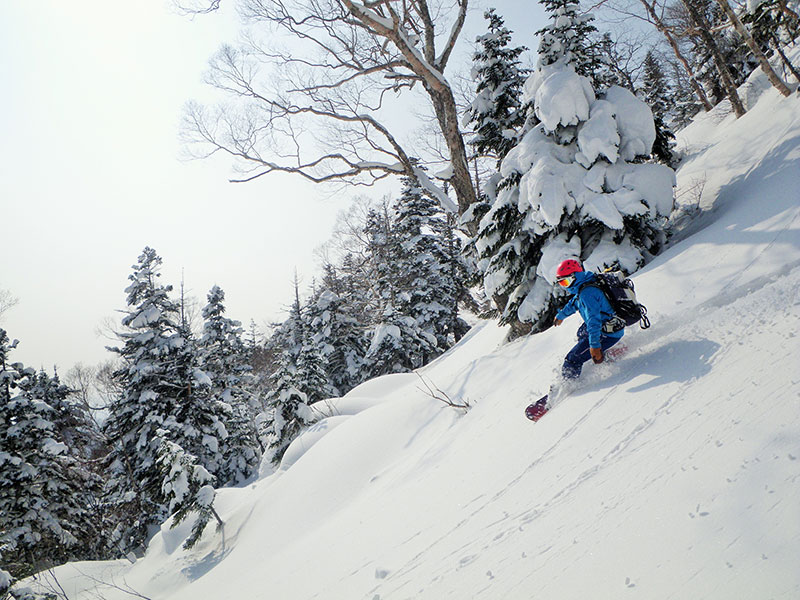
(614,319)
(644,322)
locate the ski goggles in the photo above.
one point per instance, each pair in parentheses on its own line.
(565,281)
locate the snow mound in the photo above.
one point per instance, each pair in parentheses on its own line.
(308,439)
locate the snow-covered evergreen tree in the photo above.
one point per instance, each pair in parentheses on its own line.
(571,189)
(656,92)
(295,326)
(258,359)
(288,411)
(162,388)
(198,422)
(340,338)
(46,503)
(398,345)
(352,283)
(456,278)
(147,401)
(382,250)
(187,486)
(425,279)
(568,39)
(496,113)
(11,374)
(311,375)
(73,420)
(302,357)
(224,359)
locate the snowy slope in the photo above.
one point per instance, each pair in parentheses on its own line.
(673,472)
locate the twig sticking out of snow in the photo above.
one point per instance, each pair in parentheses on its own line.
(434,392)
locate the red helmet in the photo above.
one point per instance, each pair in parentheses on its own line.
(568,267)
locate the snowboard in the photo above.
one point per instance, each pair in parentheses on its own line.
(536,410)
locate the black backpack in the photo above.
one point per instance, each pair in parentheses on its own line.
(620,293)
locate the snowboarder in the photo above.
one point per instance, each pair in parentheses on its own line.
(601,328)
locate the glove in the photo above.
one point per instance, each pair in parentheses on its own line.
(597,354)
(557,322)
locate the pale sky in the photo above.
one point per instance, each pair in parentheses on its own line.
(92,96)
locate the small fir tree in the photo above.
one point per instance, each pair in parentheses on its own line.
(426,274)
(224,358)
(187,486)
(496,113)
(569,39)
(340,338)
(356,286)
(398,345)
(310,375)
(149,342)
(198,420)
(456,278)
(288,411)
(295,325)
(382,248)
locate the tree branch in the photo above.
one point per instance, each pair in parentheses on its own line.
(350,55)
(434,392)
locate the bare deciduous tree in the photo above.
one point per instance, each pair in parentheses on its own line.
(773,77)
(81,379)
(654,14)
(327,109)
(703,29)
(6,301)
(106,386)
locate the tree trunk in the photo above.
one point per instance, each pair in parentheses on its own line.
(719,61)
(430,71)
(659,24)
(786,62)
(461,181)
(220,522)
(776,81)
(517,328)
(477,178)
(788,11)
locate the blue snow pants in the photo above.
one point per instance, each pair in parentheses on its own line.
(573,362)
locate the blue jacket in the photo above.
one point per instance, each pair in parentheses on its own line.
(593,306)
